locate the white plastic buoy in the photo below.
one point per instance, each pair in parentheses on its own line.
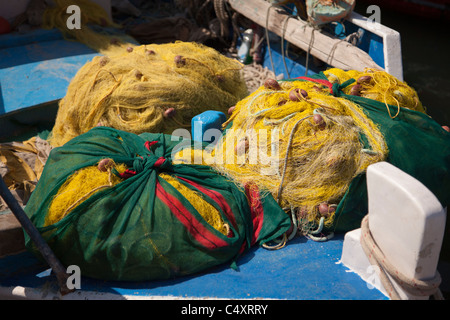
(407,224)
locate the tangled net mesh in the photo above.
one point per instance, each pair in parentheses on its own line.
(305,146)
(138,88)
(378,85)
(301,144)
(78,187)
(148,88)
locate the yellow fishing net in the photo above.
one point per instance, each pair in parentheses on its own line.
(192,156)
(378,85)
(301,144)
(78,187)
(148,88)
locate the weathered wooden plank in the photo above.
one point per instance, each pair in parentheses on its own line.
(333,51)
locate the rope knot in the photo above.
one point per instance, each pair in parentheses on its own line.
(336,89)
(148,162)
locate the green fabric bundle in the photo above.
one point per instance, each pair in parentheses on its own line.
(143,228)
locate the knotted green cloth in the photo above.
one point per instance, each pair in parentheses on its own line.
(143,228)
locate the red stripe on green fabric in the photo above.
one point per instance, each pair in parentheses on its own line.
(216,197)
(159,162)
(256,211)
(321,81)
(199,231)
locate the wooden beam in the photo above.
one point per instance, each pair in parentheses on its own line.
(333,51)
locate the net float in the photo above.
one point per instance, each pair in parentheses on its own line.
(104,164)
(356,90)
(180,61)
(242,147)
(272,84)
(169,113)
(319,121)
(364,79)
